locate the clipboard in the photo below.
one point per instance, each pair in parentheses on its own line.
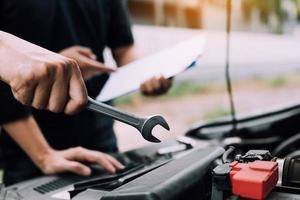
(168,63)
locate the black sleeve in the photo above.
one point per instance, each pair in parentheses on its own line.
(120,33)
(10,108)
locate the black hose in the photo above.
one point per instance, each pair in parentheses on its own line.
(227,153)
(281,148)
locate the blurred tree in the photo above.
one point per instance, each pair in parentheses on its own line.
(247,9)
(271,12)
(297,2)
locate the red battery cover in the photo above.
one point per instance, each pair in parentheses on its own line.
(254,180)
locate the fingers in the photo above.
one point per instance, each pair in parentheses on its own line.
(91,68)
(103,161)
(95,65)
(70,160)
(107,162)
(166,83)
(155,86)
(43,79)
(151,87)
(76,167)
(115,162)
(42,94)
(56,162)
(59,89)
(55,85)
(87,61)
(77,92)
(33,88)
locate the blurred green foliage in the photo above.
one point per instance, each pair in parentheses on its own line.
(216,113)
(265,8)
(279,81)
(124,100)
(179,89)
(185,88)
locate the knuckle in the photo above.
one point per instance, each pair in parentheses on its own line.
(47,171)
(78,149)
(64,68)
(45,71)
(82,102)
(78,167)
(28,79)
(77,47)
(87,49)
(71,149)
(69,61)
(101,155)
(100,158)
(56,109)
(38,106)
(71,64)
(75,166)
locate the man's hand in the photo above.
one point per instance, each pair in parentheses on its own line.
(28,135)
(40,78)
(152,87)
(87,61)
(70,160)
(156,86)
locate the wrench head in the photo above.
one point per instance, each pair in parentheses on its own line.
(148,126)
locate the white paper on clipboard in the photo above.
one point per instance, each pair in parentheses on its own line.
(168,62)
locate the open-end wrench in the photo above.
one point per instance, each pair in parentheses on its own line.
(144,125)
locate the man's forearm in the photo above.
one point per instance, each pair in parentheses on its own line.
(125,55)
(3,55)
(50,161)
(29,137)
(24,131)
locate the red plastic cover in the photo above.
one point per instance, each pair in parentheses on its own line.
(253,180)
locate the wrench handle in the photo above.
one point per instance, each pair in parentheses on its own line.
(114,113)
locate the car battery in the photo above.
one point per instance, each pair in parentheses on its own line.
(251,176)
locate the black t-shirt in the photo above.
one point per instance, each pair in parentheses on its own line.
(56,25)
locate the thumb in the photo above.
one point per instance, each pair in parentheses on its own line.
(77,168)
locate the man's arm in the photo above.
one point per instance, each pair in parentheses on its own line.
(40,78)
(125,55)
(28,135)
(120,40)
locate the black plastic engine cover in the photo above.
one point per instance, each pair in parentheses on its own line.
(171,181)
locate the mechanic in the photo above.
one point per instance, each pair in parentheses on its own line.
(78,29)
